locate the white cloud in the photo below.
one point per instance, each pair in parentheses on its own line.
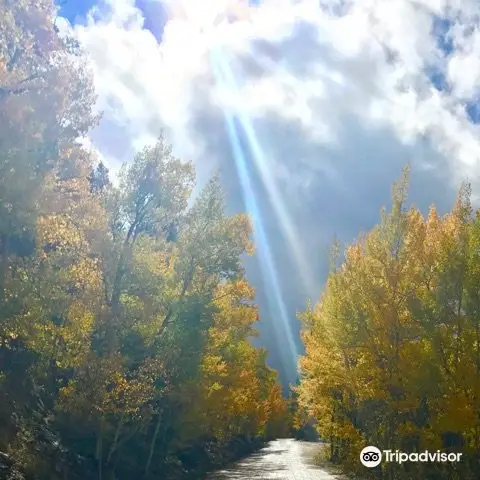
(294,61)
(338,100)
(142,84)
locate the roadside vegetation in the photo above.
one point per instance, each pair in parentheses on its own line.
(125,316)
(393,346)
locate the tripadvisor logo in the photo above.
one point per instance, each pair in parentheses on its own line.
(372,456)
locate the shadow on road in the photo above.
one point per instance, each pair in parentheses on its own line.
(258,471)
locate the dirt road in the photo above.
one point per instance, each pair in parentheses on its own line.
(282,460)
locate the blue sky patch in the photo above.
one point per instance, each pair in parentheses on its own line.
(154,13)
(438,78)
(75,10)
(155,17)
(441,30)
(473,111)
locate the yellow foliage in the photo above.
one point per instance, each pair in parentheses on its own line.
(392,347)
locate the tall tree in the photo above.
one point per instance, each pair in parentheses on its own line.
(46,100)
(114,298)
(390,348)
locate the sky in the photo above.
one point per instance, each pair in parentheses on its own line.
(310,109)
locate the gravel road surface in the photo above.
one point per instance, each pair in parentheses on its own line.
(285,459)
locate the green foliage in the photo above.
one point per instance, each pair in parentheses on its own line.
(124,313)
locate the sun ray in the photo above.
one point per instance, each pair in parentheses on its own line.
(267,264)
(206,17)
(265,166)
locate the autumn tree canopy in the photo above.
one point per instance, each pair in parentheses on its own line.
(393,346)
(125,316)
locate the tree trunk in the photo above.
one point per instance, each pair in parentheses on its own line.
(152,444)
(186,284)
(99,450)
(117,290)
(115,438)
(3,264)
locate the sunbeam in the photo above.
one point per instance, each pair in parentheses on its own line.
(240,125)
(217,12)
(265,165)
(267,263)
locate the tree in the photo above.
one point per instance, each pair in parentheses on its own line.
(116,300)
(154,333)
(46,100)
(98,178)
(387,349)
